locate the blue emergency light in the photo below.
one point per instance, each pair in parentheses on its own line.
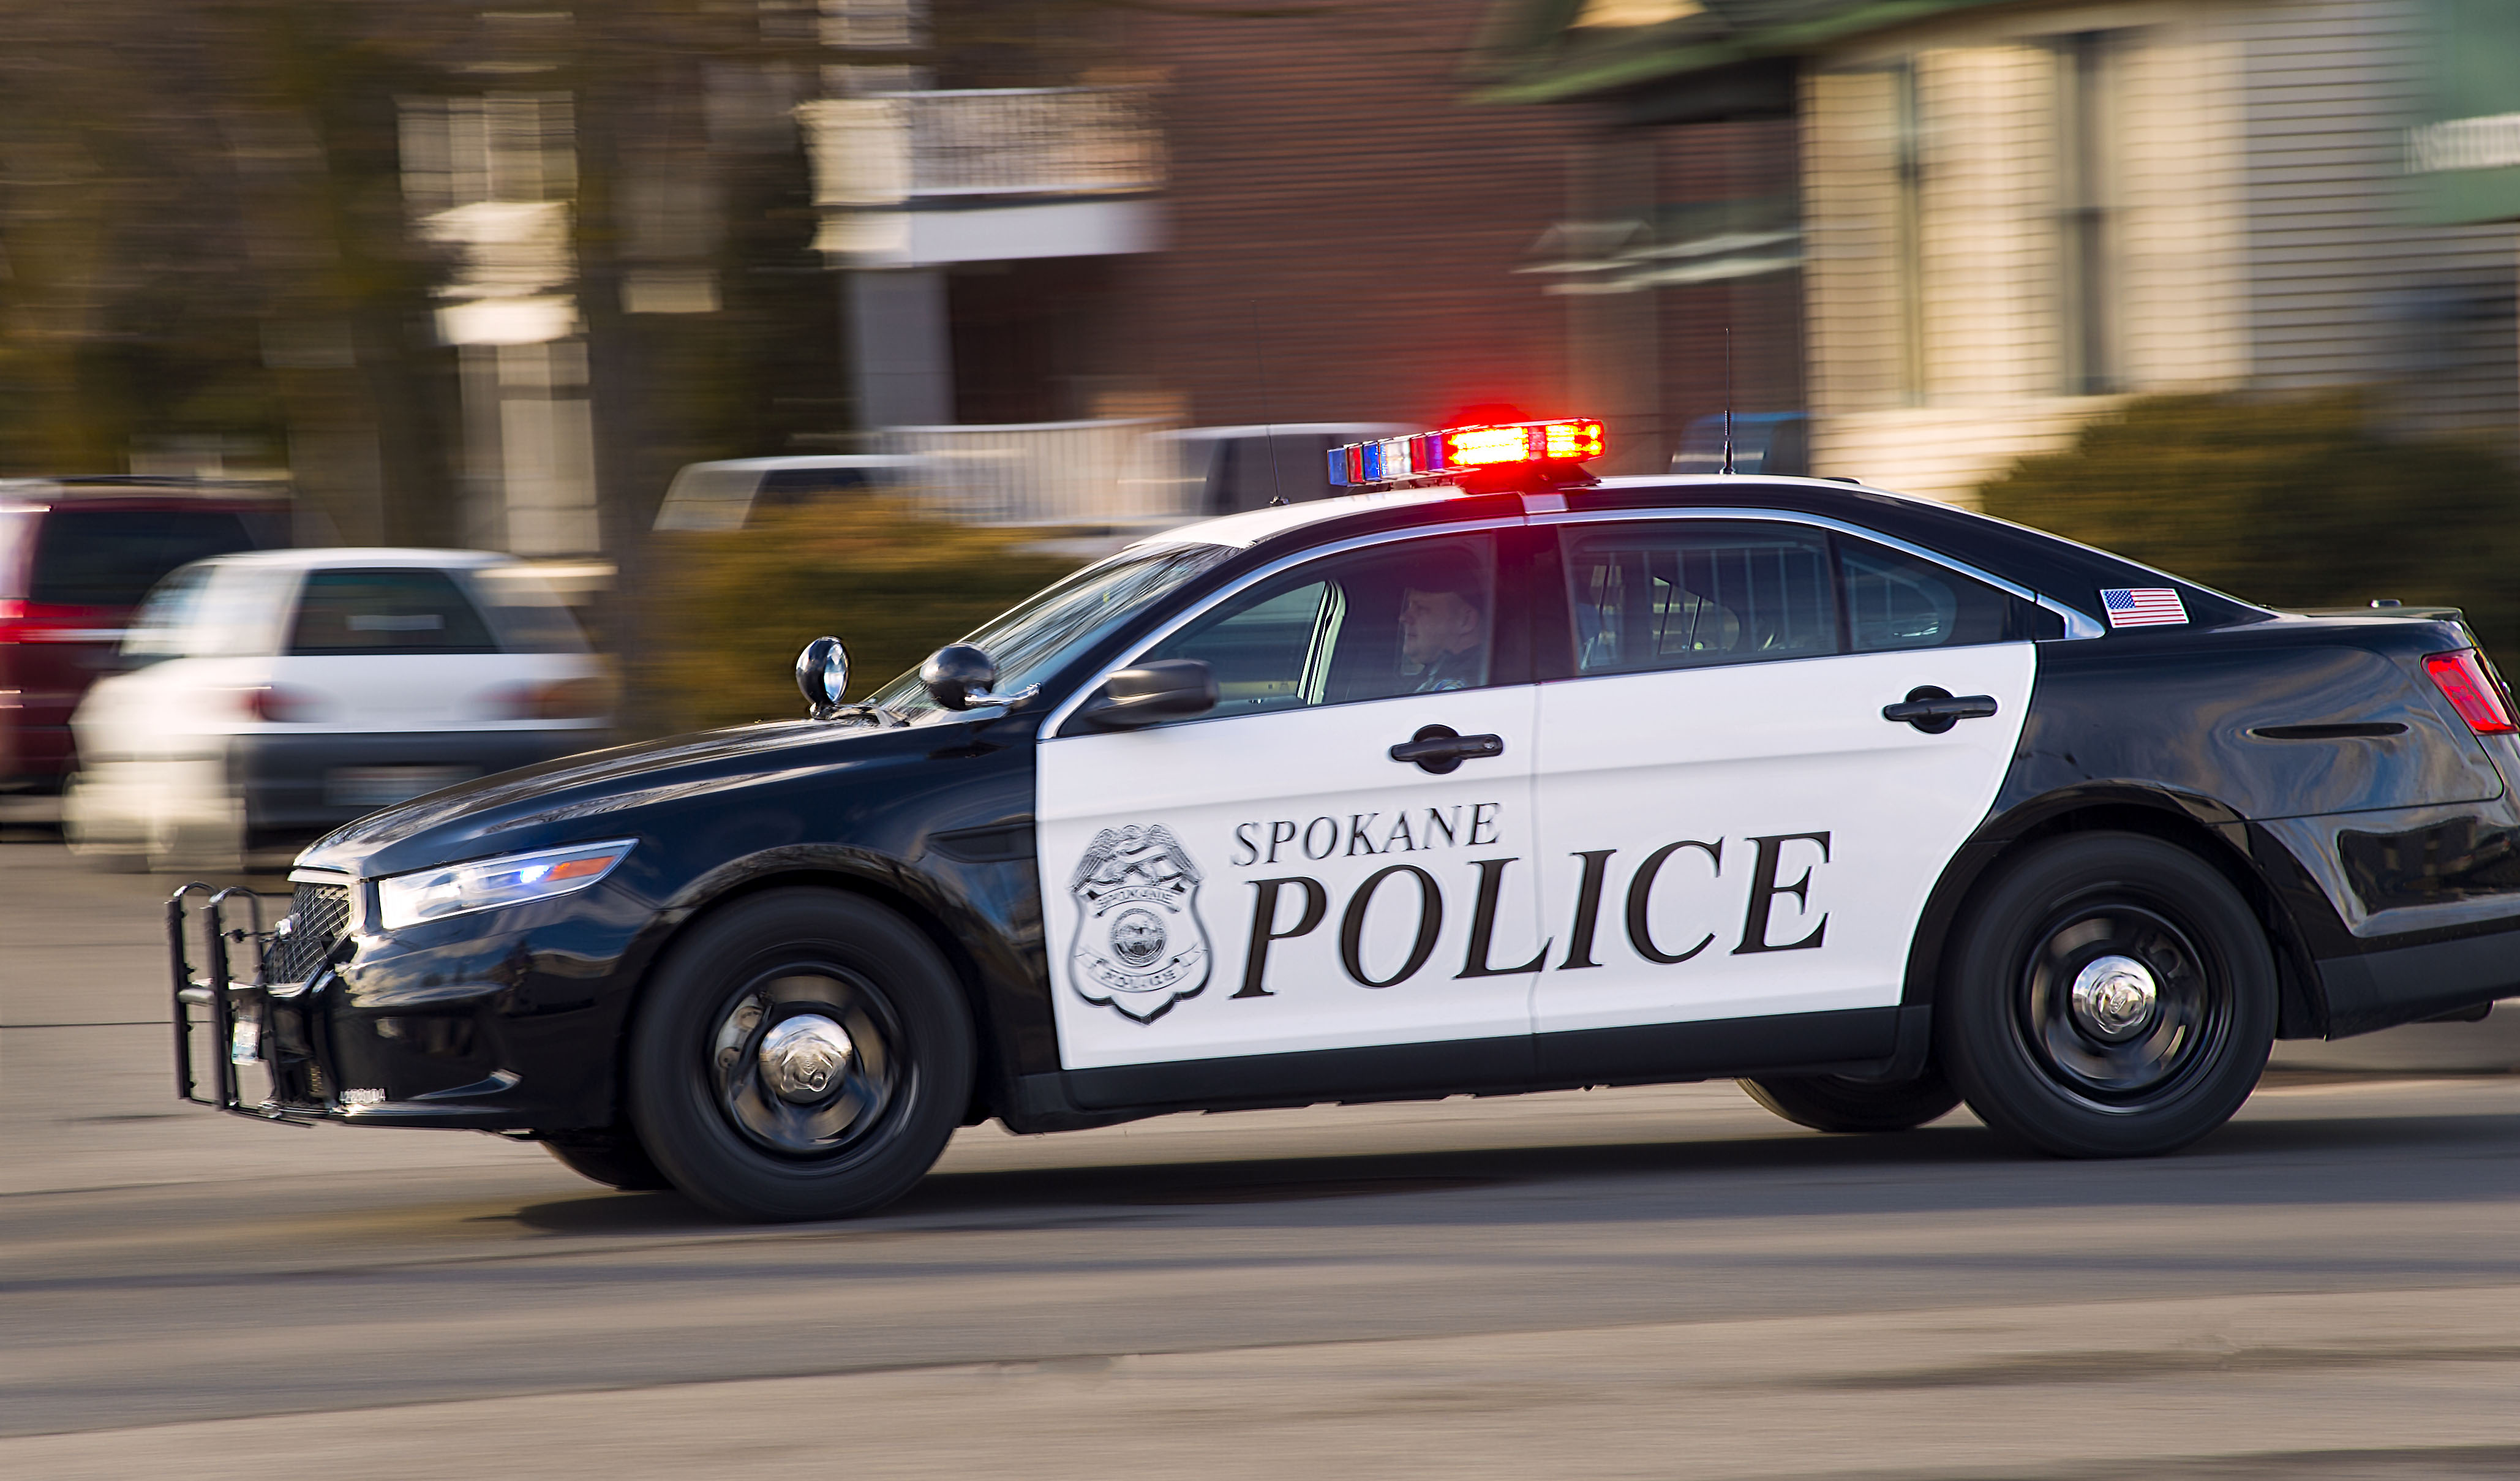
(1510,449)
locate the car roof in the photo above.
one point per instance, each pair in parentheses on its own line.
(121,489)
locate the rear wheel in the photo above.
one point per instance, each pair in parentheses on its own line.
(1836,1103)
(2110,994)
(803,1055)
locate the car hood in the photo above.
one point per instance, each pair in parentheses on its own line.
(602,794)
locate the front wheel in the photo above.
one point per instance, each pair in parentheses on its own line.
(1836,1103)
(802,1054)
(2111,995)
(613,1158)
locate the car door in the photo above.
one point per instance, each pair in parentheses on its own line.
(1730,826)
(1268,878)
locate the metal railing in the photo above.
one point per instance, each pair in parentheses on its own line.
(1065,141)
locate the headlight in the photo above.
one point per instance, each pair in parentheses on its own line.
(485,884)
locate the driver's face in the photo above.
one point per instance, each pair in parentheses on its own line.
(1435,623)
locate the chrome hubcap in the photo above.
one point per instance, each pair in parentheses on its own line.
(2113,998)
(2117,1004)
(804,1058)
(802,1062)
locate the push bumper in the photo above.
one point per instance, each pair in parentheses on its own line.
(237,1015)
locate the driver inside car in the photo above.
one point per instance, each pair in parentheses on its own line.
(1444,626)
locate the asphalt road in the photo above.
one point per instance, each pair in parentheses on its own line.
(1656,1283)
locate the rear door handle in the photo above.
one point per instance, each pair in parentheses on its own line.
(1439,749)
(1935,711)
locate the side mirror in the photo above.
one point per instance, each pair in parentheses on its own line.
(1168,689)
(822,675)
(961,677)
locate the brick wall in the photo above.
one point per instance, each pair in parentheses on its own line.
(1329,181)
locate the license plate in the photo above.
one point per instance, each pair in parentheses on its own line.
(379,785)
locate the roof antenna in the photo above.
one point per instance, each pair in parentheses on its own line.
(1728,398)
(1268,426)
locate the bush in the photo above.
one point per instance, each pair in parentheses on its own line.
(734,608)
(2288,502)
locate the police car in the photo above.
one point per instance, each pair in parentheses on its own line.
(1495,778)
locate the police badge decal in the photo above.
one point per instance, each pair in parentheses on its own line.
(1141,946)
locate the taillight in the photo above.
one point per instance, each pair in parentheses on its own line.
(2479,700)
(566,699)
(279,703)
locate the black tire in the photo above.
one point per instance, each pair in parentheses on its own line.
(879,1069)
(2175,1018)
(1836,1103)
(613,1158)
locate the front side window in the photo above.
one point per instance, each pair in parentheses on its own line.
(1411,618)
(395,609)
(1688,594)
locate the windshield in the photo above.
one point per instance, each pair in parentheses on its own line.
(1039,637)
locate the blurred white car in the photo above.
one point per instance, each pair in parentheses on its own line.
(288,692)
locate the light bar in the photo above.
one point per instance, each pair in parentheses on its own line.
(1457,450)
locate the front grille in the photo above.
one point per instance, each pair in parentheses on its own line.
(316,921)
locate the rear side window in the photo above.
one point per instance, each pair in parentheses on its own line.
(1896,601)
(1684,596)
(110,557)
(391,610)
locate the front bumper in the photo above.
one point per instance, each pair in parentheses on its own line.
(489,1022)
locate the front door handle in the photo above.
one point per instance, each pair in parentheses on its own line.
(1439,749)
(1934,711)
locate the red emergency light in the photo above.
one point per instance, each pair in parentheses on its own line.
(1510,453)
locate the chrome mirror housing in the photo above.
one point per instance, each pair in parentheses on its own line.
(960,677)
(823,676)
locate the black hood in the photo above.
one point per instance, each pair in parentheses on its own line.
(604,794)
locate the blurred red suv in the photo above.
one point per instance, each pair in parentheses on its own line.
(77,555)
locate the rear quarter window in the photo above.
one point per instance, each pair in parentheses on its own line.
(113,557)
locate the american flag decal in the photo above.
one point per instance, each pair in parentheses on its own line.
(2143,607)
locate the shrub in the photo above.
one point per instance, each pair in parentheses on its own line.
(734,608)
(2288,502)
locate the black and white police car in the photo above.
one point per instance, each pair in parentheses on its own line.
(1499,778)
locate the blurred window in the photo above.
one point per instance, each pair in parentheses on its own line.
(1684,596)
(1898,600)
(1033,642)
(210,609)
(1415,618)
(110,557)
(528,614)
(788,487)
(394,609)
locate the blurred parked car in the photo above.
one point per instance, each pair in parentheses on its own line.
(284,693)
(1232,469)
(77,555)
(723,495)
(1763,442)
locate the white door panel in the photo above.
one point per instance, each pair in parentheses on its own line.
(1302,811)
(1749,840)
